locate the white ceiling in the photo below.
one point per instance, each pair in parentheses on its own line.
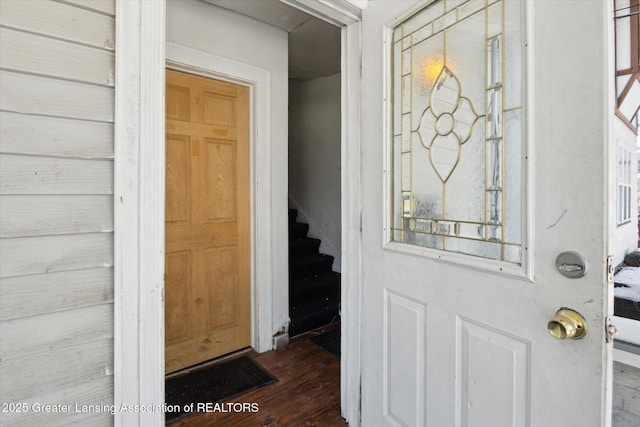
(314,45)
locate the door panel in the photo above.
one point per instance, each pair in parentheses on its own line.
(178,179)
(492,372)
(220,181)
(454,324)
(207,270)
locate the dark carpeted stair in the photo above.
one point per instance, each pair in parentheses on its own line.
(314,290)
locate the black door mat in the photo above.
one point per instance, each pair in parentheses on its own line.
(330,341)
(213,384)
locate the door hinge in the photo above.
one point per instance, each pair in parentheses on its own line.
(610,330)
(610,270)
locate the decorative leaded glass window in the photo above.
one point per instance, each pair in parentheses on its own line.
(457,115)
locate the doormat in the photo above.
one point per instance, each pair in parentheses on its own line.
(204,387)
(330,341)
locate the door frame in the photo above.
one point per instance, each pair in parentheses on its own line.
(141,53)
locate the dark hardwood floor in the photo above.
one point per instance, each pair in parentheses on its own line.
(307,392)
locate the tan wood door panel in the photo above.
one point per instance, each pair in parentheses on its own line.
(207,267)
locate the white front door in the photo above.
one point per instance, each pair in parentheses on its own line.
(484,157)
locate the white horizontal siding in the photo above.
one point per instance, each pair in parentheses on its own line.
(95,392)
(59,20)
(48,254)
(42,175)
(55,136)
(37,54)
(28,94)
(49,215)
(56,207)
(26,296)
(47,371)
(105,6)
(26,336)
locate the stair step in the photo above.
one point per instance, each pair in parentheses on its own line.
(293,215)
(312,315)
(314,290)
(314,287)
(297,230)
(303,246)
(309,265)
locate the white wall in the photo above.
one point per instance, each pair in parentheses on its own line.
(56,209)
(626,235)
(314,159)
(205,27)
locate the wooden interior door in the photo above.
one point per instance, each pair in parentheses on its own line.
(207,261)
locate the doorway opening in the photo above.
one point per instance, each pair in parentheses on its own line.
(315,83)
(314,175)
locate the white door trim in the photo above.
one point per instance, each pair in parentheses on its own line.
(139,208)
(139,212)
(351,226)
(183,58)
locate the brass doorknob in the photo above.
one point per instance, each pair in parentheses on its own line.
(567,323)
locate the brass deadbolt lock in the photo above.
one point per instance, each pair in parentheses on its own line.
(567,324)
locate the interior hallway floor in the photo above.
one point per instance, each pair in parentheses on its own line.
(307,392)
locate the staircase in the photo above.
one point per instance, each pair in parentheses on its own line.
(314,290)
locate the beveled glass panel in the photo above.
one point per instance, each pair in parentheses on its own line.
(406,62)
(465,188)
(479,248)
(406,172)
(406,204)
(513,184)
(444,21)
(397,34)
(466,57)
(419,239)
(513,49)
(494,114)
(471,7)
(422,34)
(494,63)
(494,19)
(494,207)
(494,233)
(427,189)
(420,224)
(457,183)
(512,253)
(445,152)
(444,227)
(428,60)
(470,231)
(406,42)
(406,133)
(396,183)
(445,94)
(494,164)
(397,93)
(452,4)
(406,94)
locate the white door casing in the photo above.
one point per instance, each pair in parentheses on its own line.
(456,340)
